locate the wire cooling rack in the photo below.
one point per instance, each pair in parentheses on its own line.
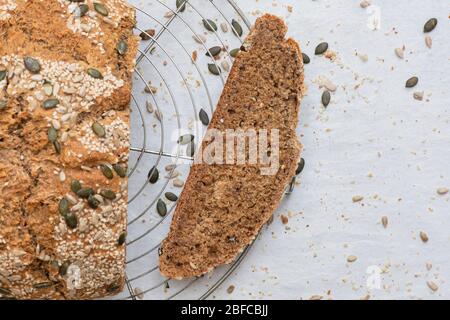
(172,83)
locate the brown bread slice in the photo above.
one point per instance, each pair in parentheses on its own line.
(223,206)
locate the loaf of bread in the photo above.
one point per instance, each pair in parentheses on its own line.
(223,206)
(65,88)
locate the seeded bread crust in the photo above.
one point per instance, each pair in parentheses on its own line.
(76,252)
(223,207)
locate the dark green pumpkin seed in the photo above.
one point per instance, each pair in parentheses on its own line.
(107,172)
(153,175)
(321,48)
(430,25)
(71,220)
(237,29)
(43,285)
(108,194)
(300,167)
(171,196)
(181,5)
(161,208)
(214,69)
(94,73)
(32,65)
(101,9)
(99,130)
(63,269)
(204,118)
(63,206)
(326,97)
(190,149)
(50,103)
(412,82)
(120,170)
(57,147)
(185,139)
(84,8)
(2,75)
(52,134)
(210,25)
(75,186)
(214,51)
(306,59)
(234,52)
(3,104)
(122,47)
(85,192)
(122,238)
(93,202)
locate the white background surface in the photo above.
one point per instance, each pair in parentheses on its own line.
(373,140)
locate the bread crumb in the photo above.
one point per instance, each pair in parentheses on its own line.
(442,191)
(194,55)
(423,236)
(433,286)
(284,219)
(351,258)
(357,198)
(384,221)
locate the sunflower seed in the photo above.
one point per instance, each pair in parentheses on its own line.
(384,221)
(428,41)
(411,82)
(122,47)
(161,208)
(185,139)
(204,118)
(83,9)
(225,65)
(52,134)
(300,167)
(106,170)
(85,192)
(122,238)
(93,202)
(43,285)
(71,220)
(237,29)
(171,196)
(50,103)
(400,52)
(326,96)
(99,130)
(32,65)
(423,236)
(190,149)
(433,286)
(2,75)
(214,69)
(63,206)
(430,25)
(234,52)
(210,25)
(213,51)
(101,9)
(321,48)
(108,194)
(75,186)
(442,191)
(306,58)
(120,170)
(153,175)
(57,147)
(181,5)
(94,73)
(63,269)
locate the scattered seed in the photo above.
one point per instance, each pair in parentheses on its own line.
(234,52)
(321,48)
(433,286)
(52,134)
(400,52)
(230,289)
(94,73)
(122,238)
(190,149)
(50,104)
(150,89)
(326,97)
(357,198)
(170,167)
(85,192)
(2,75)
(384,221)
(178,183)
(120,170)
(99,130)
(411,82)
(423,236)
(200,39)
(93,202)
(418,95)
(225,65)
(122,47)
(185,139)
(147,34)
(161,208)
(224,27)
(428,41)
(63,206)
(237,29)
(181,5)
(57,147)
(442,191)
(138,293)
(75,186)
(284,219)
(108,194)
(153,175)
(430,25)
(63,269)
(43,285)
(306,58)
(101,9)
(171,196)
(204,118)
(32,65)
(3,104)
(363,57)
(210,25)
(351,258)
(71,220)
(214,69)
(106,170)
(84,8)
(48,89)
(300,167)
(149,107)
(213,51)
(364,4)
(5,292)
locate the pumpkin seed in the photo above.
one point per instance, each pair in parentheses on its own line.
(94,73)
(326,96)
(71,220)
(210,25)
(106,170)
(321,48)
(185,139)
(100,8)
(32,65)
(181,5)
(63,269)
(306,58)
(2,75)
(204,118)
(430,25)
(84,8)
(75,186)
(300,167)
(153,175)
(237,29)
(147,34)
(3,104)
(93,202)
(161,208)
(122,238)
(120,170)
(412,82)
(234,52)
(108,194)
(52,134)
(171,196)
(57,147)
(122,47)
(213,51)
(63,206)
(85,192)
(214,69)
(50,103)
(190,149)
(43,285)
(99,130)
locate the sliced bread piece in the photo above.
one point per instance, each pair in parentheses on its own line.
(223,206)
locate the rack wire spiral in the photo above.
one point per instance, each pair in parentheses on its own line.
(183,86)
